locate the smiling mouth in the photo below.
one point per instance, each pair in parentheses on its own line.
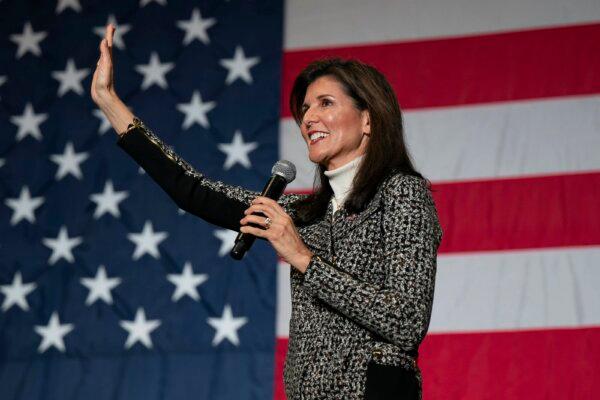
(317,137)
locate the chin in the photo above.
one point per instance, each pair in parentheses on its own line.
(316,158)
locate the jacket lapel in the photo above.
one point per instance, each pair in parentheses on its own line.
(318,235)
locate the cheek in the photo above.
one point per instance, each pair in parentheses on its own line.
(330,120)
(350,128)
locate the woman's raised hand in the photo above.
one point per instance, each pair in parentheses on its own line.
(103,87)
(102,82)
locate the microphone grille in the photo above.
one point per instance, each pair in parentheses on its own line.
(285,169)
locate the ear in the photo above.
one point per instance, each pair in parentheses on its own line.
(366,122)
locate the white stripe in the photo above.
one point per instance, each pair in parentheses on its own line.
(284,304)
(517,289)
(504,290)
(486,141)
(318,24)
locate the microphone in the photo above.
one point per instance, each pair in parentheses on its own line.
(282,173)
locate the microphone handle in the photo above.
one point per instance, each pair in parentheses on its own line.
(273,190)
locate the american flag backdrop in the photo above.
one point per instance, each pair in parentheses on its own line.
(109,291)
(502,113)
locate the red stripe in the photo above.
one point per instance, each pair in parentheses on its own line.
(280,350)
(545,364)
(485,68)
(548,364)
(518,213)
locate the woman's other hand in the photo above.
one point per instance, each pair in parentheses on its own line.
(281,232)
(102,82)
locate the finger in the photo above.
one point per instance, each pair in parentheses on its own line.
(256,219)
(110,29)
(254,231)
(103,47)
(263,200)
(106,56)
(261,208)
(267,201)
(272,204)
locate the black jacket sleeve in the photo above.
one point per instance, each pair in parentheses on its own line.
(215,202)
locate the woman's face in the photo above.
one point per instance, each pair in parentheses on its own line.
(334,130)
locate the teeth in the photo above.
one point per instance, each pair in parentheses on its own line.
(317,135)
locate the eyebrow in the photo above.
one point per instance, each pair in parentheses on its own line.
(319,97)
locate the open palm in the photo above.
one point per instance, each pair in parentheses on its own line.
(103,82)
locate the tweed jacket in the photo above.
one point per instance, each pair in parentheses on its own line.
(366,297)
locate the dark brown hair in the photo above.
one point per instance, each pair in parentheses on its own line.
(386,152)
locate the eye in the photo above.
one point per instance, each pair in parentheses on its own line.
(326,102)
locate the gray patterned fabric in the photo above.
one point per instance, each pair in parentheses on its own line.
(368,294)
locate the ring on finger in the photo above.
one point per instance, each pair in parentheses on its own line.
(268,223)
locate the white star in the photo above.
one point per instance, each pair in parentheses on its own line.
(24,206)
(139,330)
(16,293)
(28,40)
(237,151)
(100,287)
(227,327)
(29,123)
(154,72)
(239,66)
(63,4)
(186,283)
(62,246)
(179,210)
(227,238)
(196,28)
(53,333)
(120,30)
(68,162)
(195,111)
(108,201)
(143,3)
(70,78)
(104,122)
(147,241)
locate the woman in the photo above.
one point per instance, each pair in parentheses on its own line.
(363,246)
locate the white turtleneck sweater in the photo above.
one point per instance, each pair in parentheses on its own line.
(340,180)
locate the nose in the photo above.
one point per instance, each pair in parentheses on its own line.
(309,118)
